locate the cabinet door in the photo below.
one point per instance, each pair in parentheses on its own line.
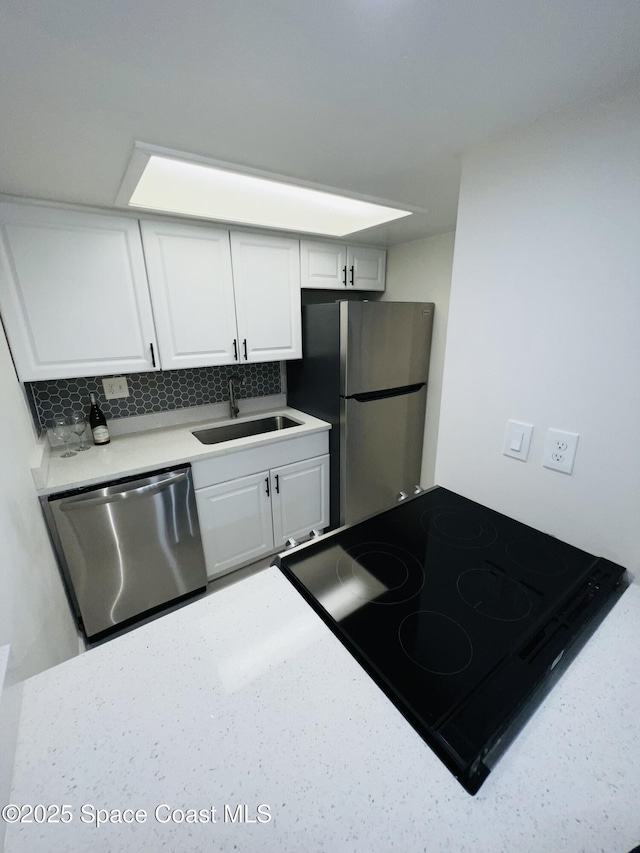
(189,269)
(366,268)
(323,265)
(300,499)
(266,277)
(235,522)
(73,293)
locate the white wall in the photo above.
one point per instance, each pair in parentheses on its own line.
(34,615)
(421,272)
(544,325)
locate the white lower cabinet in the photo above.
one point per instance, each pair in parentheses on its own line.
(249,517)
(235,522)
(299,499)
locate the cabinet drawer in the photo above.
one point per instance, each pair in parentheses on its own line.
(242,463)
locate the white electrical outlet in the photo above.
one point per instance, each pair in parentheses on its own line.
(560,450)
(115,386)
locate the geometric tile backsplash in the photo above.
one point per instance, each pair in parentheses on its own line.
(159,391)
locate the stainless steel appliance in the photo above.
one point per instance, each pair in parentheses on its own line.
(365,369)
(464,617)
(127,547)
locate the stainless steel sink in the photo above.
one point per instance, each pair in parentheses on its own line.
(242,429)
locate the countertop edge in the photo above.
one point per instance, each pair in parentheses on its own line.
(174,444)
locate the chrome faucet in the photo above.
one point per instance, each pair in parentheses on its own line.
(233,405)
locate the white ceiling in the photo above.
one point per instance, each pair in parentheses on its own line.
(379,97)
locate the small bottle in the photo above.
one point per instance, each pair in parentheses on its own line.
(98,423)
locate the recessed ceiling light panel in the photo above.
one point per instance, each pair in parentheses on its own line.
(190,188)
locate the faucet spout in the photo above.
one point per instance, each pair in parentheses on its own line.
(233,405)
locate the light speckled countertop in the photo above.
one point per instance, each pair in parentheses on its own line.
(246,698)
(138,452)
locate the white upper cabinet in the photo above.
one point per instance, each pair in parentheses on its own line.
(191,283)
(323,265)
(73,293)
(76,297)
(366,268)
(266,278)
(333,266)
(221,298)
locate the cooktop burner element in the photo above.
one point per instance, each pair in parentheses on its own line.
(481,615)
(457,527)
(435,642)
(380,572)
(494,595)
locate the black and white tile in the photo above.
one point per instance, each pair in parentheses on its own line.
(160,391)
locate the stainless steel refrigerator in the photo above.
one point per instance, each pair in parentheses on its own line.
(364,369)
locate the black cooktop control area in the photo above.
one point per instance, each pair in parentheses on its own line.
(463,616)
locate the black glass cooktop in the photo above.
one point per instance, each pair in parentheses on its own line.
(461,615)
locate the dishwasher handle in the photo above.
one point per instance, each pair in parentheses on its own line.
(86,501)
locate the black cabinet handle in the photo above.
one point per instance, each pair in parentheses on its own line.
(277,484)
(266,481)
(344,276)
(153,356)
(244,344)
(352,276)
(235,349)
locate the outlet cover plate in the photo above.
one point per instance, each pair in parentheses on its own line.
(517,440)
(115,387)
(560,450)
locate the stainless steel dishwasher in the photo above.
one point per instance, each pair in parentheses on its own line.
(128,546)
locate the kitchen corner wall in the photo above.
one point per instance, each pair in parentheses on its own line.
(35,619)
(544,325)
(420,271)
(158,391)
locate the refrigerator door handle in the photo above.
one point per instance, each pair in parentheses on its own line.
(388,392)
